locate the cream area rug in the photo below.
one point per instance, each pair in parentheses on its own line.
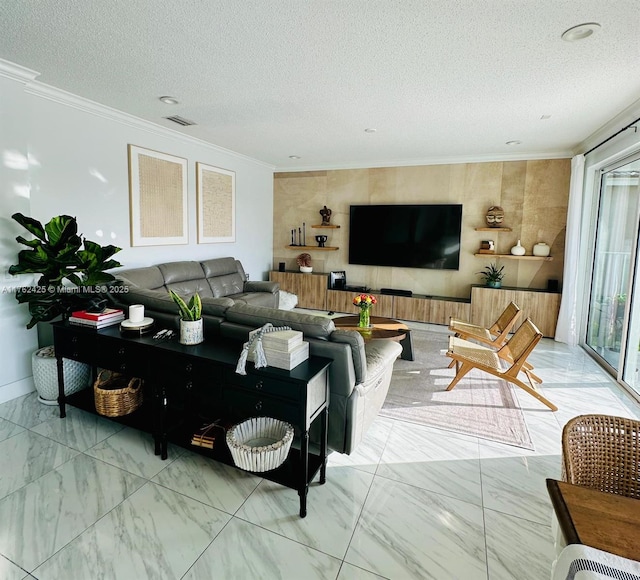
(480,405)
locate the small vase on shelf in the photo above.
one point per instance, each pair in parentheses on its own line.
(518,250)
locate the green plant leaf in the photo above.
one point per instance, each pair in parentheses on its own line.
(62,230)
(31,225)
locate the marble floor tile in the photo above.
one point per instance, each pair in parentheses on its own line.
(43,516)
(133,451)
(518,548)
(369,451)
(79,429)
(27,411)
(263,555)
(517,485)
(27,456)
(408,532)
(434,460)
(9,429)
(215,484)
(9,571)
(332,510)
(155,533)
(351,572)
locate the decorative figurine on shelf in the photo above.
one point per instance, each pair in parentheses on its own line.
(326,216)
(321,240)
(495,216)
(304,262)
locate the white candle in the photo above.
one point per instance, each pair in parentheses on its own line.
(136,312)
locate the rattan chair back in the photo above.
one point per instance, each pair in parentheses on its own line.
(508,318)
(602,452)
(524,340)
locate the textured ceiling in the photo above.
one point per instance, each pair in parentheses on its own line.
(437,79)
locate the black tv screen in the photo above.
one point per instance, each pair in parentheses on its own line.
(408,236)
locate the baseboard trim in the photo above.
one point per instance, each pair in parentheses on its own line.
(16,389)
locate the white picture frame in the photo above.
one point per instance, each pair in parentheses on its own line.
(216,204)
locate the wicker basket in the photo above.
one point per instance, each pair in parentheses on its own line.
(116,395)
(260,443)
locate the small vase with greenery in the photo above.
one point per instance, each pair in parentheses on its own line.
(72,267)
(492,275)
(191,324)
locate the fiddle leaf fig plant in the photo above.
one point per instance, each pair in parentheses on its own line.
(72,268)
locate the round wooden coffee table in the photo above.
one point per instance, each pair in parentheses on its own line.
(381,328)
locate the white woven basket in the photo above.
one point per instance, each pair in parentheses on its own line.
(260,443)
(45,375)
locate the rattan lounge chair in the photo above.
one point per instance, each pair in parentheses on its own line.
(602,452)
(468,355)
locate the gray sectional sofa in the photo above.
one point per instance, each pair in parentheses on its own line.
(220,282)
(360,372)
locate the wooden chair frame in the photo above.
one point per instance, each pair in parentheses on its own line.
(496,336)
(468,355)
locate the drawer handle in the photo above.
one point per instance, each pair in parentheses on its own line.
(189,385)
(258,405)
(123,367)
(121,350)
(74,339)
(188,368)
(75,354)
(259,385)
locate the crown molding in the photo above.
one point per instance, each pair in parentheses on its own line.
(622,119)
(54,94)
(16,72)
(453,160)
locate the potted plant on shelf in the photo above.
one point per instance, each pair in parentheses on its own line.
(191,323)
(304,262)
(492,275)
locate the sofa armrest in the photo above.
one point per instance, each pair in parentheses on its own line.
(261,286)
(354,339)
(159,301)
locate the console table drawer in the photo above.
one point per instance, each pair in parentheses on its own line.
(253,405)
(121,357)
(264,385)
(77,345)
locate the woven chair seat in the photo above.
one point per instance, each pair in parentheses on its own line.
(474,352)
(458,326)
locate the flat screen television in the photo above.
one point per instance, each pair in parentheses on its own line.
(408,236)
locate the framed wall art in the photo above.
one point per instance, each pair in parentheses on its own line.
(157,198)
(216,203)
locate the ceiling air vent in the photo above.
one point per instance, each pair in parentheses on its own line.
(180,120)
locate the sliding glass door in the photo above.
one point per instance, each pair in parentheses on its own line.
(613,326)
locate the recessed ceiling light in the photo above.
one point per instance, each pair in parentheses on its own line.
(545,117)
(580,31)
(294,156)
(370,130)
(514,142)
(169,100)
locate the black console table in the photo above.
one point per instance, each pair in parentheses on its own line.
(188,386)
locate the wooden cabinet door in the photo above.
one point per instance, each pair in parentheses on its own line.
(311,289)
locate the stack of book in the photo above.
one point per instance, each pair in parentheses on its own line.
(108,317)
(285,349)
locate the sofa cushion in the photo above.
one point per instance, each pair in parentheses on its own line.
(226,285)
(173,272)
(219,267)
(149,277)
(264,299)
(257,316)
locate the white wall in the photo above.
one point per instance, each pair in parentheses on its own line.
(16,342)
(79,166)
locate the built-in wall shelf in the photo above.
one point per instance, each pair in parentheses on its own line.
(512,257)
(324,249)
(329,227)
(494,230)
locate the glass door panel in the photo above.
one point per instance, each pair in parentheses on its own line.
(616,237)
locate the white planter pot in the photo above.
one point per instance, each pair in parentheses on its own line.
(191,331)
(306,269)
(45,375)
